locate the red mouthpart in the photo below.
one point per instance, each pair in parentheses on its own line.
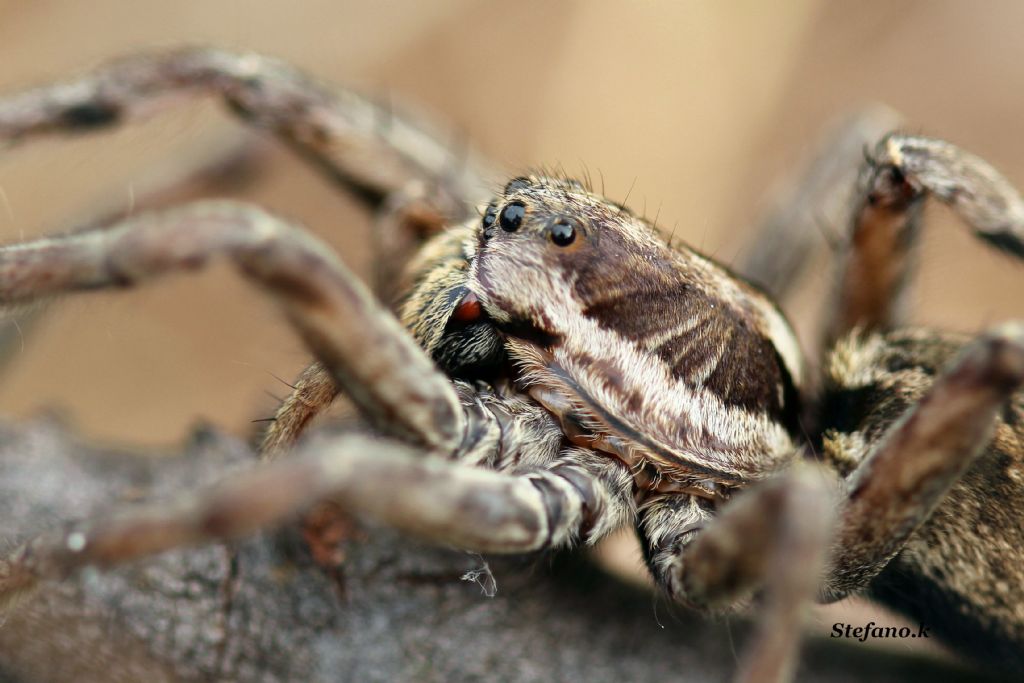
(468,310)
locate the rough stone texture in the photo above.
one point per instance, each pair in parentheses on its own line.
(259,611)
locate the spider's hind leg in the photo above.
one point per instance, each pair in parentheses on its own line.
(773,537)
(897,176)
(814,205)
(914,464)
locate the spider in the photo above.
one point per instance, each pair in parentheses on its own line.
(555,370)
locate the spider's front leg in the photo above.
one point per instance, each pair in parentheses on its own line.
(547,499)
(361,145)
(367,352)
(364,147)
(402,225)
(229,166)
(773,537)
(364,348)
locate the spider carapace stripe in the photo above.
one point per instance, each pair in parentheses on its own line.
(617,332)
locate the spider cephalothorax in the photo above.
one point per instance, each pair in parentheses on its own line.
(564,372)
(631,343)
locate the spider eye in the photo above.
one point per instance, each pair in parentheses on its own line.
(490,216)
(512,216)
(563,232)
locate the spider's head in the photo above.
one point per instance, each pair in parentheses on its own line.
(526,233)
(587,296)
(583,304)
(547,250)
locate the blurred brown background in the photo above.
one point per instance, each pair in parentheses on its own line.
(705,104)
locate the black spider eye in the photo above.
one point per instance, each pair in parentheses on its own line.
(512,217)
(563,232)
(490,215)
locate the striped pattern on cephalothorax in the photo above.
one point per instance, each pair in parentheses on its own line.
(631,343)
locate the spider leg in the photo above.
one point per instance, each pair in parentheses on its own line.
(313,392)
(402,225)
(185,180)
(359,144)
(603,488)
(901,481)
(513,434)
(774,537)
(896,178)
(439,500)
(814,206)
(365,348)
(388,160)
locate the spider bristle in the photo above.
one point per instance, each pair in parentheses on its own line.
(630,191)
(1005,242)
(287,384)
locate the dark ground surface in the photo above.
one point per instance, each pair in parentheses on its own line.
(397,611)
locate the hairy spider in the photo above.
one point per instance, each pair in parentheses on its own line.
(557,370)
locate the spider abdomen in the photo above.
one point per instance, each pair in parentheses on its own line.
(957,574)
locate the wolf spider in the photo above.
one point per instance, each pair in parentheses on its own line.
(557,370)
